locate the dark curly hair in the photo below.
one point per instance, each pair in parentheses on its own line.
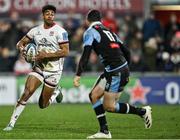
(48,7)
(93,15)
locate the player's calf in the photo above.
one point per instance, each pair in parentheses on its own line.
(43,104)
(109,107)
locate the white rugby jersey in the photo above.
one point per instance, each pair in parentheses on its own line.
(49,40)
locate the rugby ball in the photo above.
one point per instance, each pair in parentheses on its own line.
(30,51)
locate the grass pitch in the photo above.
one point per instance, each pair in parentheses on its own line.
(77,121)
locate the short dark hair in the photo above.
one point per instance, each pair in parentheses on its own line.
(93,15)
(48,7)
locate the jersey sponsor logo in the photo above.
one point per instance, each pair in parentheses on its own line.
(38,33)
(44,43)
(51,33)
(114,45)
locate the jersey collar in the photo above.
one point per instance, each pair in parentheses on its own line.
(94,23)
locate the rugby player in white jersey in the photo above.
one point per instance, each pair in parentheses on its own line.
(52,46)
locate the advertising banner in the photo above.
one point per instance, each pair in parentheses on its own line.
(140,90)
(34,6)
(154,90)
(8,91)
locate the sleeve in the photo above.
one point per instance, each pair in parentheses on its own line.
(83,60)
(87,44)
(30,34)
(88,39)
(62,36)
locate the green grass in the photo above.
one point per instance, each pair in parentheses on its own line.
(77,121)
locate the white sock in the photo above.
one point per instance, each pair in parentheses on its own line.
(17,112)
(54,95)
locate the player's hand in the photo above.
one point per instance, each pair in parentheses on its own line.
(40,56)
(22,52)
(76,81)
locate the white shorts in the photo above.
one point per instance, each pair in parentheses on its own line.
(50,79)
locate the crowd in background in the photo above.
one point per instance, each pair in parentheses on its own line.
(153,47)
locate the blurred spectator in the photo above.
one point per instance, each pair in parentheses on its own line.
(71,23)
(75,31)
(152,38)
(75,49)
(171,27)
(5,62)
(76,41)
(175,42)
(110,21)
(175,50)
(24,27)
(8,39)
(14,16)
(94,64)
(131,28)
(150,53)
(151,28)
(167,64)
(7,48)
(135,46)
(137,64)
(21,67)
(150,50)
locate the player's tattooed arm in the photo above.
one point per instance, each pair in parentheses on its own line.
(22,43)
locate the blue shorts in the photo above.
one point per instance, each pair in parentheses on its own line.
(114,81)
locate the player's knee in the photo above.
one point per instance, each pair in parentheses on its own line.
(109,108)
(90,96)
(93,97)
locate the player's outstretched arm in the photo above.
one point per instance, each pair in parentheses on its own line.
(83,60)
(82,64)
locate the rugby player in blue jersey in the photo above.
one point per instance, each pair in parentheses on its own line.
(115,58)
